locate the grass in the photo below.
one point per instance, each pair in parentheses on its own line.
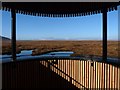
(78,47)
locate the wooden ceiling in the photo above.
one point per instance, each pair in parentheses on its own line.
(59,9)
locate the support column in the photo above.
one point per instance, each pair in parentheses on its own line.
(13,33)
(104,34)
(105,69)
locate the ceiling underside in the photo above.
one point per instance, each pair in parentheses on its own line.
(59,9)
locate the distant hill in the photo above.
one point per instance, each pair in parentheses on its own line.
(4,38)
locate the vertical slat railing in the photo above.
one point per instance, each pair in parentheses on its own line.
(81,73)
(88,74)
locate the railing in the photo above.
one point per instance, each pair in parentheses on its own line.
(82,73)
(86,74)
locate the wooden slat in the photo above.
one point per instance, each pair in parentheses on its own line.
(119,79)
(67,69)
(83,73)
(60,67)
(113,79)
(111,76)
(94,70)
(73,71)
(97,76)
(64,76)
(80,65)
(70,70)
(89,72)
(108,76)
(116,77)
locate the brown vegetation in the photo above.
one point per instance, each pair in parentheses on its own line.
(78,47)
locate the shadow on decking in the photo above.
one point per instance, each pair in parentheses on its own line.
(31,74)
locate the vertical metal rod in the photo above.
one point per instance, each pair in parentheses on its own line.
(13,43)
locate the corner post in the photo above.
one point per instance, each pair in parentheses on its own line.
(13,33)
(104,34)
(104,56)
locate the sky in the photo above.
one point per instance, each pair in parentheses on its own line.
(70,28)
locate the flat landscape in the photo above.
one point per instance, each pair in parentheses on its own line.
(78,47)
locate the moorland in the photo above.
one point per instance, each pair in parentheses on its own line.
(79,48)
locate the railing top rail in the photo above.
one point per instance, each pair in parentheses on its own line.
(113,62)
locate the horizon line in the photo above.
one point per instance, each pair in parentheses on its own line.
(66,40)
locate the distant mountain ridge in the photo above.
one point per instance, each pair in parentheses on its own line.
(4,38)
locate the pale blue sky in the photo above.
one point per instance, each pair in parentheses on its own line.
(72,28)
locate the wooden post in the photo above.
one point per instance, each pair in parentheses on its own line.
(105,43)
(13,33)
(104,34)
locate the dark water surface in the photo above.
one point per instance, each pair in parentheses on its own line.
(27,54)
